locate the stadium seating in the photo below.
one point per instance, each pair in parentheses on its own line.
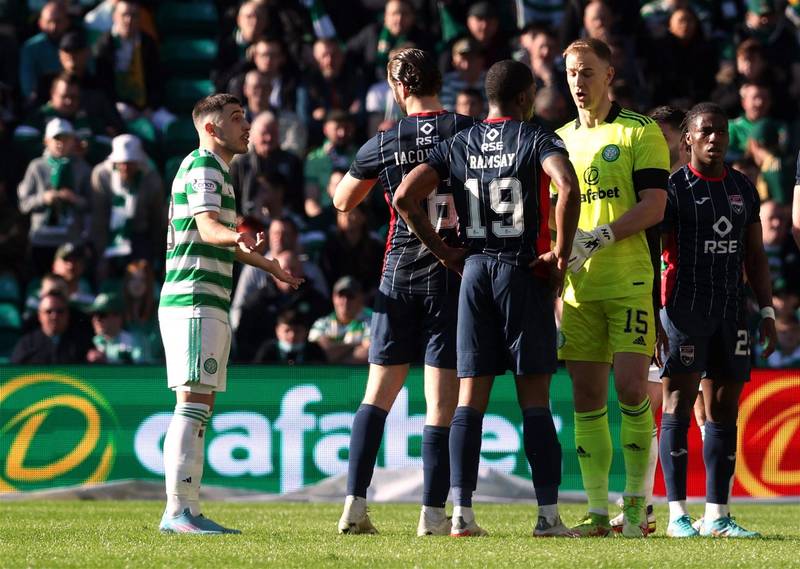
(182,94)
(188,57)
(180,138)
(197,18)
(9,289)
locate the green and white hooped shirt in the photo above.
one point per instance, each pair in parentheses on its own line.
(199,275)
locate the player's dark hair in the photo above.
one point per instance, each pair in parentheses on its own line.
(667,114)
(505,80)
(596,46)
(212,104)
(416,70)
(705,108)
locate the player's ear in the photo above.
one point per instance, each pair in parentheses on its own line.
(610,74)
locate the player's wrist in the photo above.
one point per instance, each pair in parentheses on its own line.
(767,312)
(604,234)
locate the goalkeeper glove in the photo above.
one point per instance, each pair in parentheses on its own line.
(587,243)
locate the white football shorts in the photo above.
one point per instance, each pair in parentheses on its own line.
(197,351)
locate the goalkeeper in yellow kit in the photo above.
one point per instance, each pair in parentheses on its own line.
(622,162)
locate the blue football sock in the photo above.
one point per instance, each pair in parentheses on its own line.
(435,465)
(544,453)
(465,453)
(365,440)
(719,454)
(673,451)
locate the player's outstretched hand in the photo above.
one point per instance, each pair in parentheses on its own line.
(557,266)
(454,259)
(261,243)
(768,336)
(662,344)
(274,267)
(246,243)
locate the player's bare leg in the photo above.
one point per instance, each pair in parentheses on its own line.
(592,441)
(441,397)
(680,392)
(543,452)
(383,385)
(465,452)
(719,455)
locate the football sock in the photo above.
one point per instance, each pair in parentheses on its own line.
(465,453)
(593,444)
(365,440)
(197,471)
(636,434)
(719,455)
(180,449)
(652,462)
(677,508)
(674,454)
(544,453)
(435,465)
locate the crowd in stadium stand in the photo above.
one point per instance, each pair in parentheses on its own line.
(95,103)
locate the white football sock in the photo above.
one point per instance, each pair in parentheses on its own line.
(180,449)
(677,509)
(715,511)
(197,471)
(463,512)
(550,512)
(434,514)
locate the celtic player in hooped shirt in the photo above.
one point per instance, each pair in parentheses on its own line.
(202,243)
(622,163)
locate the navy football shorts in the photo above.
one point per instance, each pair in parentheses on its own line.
(409,328)
(718,349)
(505,320)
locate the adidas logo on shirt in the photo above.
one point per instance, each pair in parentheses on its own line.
(639,341)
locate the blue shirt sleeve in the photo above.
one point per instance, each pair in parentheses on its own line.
(368,164)
(547,143)
(439,159)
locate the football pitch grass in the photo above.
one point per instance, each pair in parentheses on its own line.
(100,534)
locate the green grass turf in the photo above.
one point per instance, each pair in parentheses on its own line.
(123,534)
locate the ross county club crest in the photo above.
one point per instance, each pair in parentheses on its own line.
(687,355)
(737,204)
(610,153)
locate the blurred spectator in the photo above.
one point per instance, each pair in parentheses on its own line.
(256,311)
(382,109)
(656,15)
(787,353)
(786,302)
(290,345)
(267,157)
(337,151)
(56,193)
(69,264)
(782,254)
(282,235)
(51,343)
(268,200)
(626,19)
(139,294)
(763,146)
(74,54)
(129,219)
(539,52)
(763,23)
(251,23)
(598,20)
(344,333)
(352,250)
(548,13)
(39,55)
(268,56)
(100,19)
(13,234)
(293,133)
(468,72)
(551,108)
(371,46)
(128,64)
(676,82)
(79,321)
(112,344)
(756,100)
(470,102)
(331,87)
(484,27)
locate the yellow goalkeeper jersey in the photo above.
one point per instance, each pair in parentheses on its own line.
(614,161)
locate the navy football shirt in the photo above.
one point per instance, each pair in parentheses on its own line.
(500,190)
(708,218)
(408,266)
